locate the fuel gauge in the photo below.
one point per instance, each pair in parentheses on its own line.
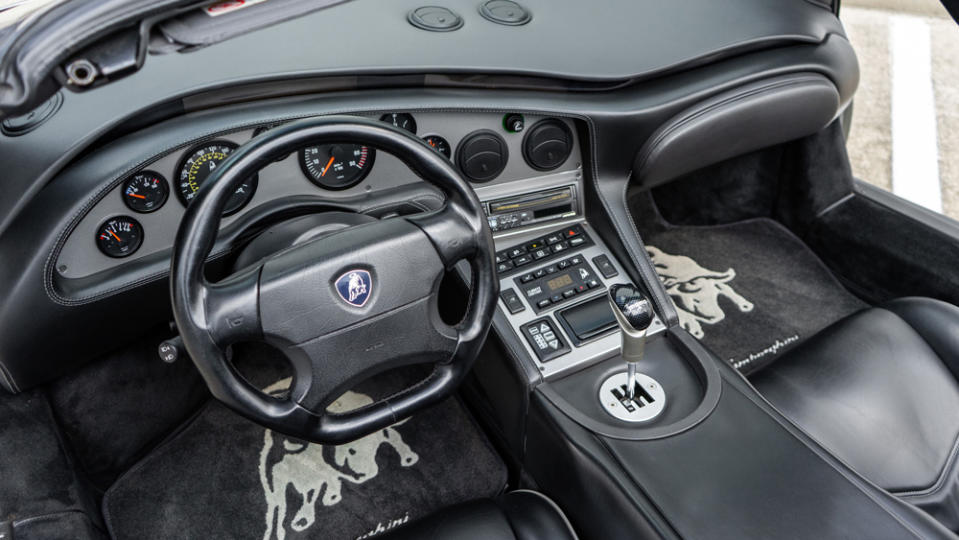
(119,237)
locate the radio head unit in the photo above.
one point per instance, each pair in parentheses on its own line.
(532,208)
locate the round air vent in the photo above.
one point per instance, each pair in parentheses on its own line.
(547,144)
(482,156)
(435,19)
(505,12)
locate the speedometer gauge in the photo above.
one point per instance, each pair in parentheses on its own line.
(337,166)
(199,163)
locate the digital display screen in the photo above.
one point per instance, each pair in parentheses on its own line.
(559,282)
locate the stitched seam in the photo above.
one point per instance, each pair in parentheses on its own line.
(818,449)
(115,181)
(941,480)
(554,506)
(951,460)
(654,284)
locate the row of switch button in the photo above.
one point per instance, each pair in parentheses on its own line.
(551,269)
(563,280)
(567,294)
(542,248)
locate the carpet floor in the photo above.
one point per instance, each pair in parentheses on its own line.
(749,290)
(222,476)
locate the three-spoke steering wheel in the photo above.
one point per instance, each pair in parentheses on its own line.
(342,307)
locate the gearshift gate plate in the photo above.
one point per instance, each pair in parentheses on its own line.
(648,403)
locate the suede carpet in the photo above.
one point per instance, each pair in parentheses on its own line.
(749,290)
(222,476)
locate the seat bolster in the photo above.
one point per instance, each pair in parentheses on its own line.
(533,516)
(519,515)
(872,391)
(879,390)
(936,321)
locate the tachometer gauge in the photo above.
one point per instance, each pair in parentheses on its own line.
(400,120)
(120,236)
(199,163)
(439,144)
(337,166)
(145,192)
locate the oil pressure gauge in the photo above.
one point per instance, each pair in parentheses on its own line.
(119,237)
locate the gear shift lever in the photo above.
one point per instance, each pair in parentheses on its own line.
(634,314)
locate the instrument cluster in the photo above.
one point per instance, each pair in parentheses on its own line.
(481,152)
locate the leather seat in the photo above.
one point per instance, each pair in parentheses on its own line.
(519,515)
(879,390)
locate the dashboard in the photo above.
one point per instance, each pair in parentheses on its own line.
(138,216)
(126,158)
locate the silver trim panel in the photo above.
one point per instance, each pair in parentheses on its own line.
(589,352)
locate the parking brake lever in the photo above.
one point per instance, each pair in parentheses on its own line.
(634,314)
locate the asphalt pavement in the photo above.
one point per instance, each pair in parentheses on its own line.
(905,131)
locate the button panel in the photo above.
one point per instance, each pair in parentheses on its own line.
(557,283)
(547,342)
(553,245)
(578,352)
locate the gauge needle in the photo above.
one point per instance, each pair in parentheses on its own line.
(137,196)
(115,236)
(328,163)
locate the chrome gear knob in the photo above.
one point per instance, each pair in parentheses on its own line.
(634,313)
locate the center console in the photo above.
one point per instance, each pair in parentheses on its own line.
(554,272)
(695,452)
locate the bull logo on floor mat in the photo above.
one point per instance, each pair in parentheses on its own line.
(316,472)
(696,290)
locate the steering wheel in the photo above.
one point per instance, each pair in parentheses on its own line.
(342,307)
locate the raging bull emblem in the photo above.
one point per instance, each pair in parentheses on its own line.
(696,290)
(316,473)
(355,287)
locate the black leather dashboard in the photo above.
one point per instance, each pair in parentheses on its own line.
(54,175)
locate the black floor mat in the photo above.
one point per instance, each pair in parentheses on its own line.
(40,496)
(225,477)
(748,290)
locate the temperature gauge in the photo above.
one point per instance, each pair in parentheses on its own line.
(119,237)
(145,192)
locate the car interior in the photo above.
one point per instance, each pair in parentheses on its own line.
(479,269)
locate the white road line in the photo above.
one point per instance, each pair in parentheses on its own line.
(915,152)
